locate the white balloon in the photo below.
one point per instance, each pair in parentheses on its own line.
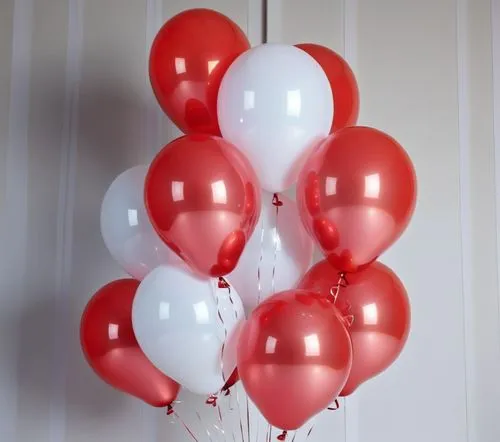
(126,229)
(274,104)
(176,323)
(285,247)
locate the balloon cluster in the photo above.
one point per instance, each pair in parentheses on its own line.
(205,221)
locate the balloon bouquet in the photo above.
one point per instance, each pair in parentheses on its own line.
(256,122)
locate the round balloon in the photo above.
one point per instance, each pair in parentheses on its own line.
(274,103)
(342,81)
(294,357)
(126,229)
(189,57)
(277,255)
(377,301)
(203,199)
(356,195)
(176,320)
(111,349)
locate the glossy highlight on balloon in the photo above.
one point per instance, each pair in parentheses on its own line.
(342,82)
(294,357)
(356,195)
(111,349)
(203,199)
(188,59)
(379,305)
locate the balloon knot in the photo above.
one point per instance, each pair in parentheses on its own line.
(276,200)
(228,392)
(282,436)
(336,406)
(212,400)
(170,410)
(223,284)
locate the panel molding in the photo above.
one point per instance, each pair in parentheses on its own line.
(65,213)
(16,197)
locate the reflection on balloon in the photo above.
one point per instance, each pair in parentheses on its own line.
(378,302)
(176,321)
(356,195)
(274,103)
(203,199)
(277,255)
(111,349)
(188,59)
(294,357)
(127,230)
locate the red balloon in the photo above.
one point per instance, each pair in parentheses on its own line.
(188,59)
(203,199)
(356,195)
(111,349)
(294,356)
(380,309)
(342,81)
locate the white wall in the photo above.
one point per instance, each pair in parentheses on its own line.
(76,109)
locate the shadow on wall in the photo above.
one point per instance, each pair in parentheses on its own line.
(110,133)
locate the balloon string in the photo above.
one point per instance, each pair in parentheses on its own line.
(239,414)
(259,282)
(223,284)
(341,283)
(206,429)
(276,203)
(248,419)
(171,411)
(221,281)
(335,407)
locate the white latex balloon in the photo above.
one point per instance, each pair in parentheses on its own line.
(289,241)
(176,323)
(126,229)
(274,104)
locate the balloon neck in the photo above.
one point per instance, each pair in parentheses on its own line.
(276,200)
(223,284)
(283,435)
(212,400)
(335,407)
(170,410)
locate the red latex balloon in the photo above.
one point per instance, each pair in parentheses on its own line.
(380,309)
(342,81)
(111,349)
(188,59)
(294,356)
(203,199)
(356,195)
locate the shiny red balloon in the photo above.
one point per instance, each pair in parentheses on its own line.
(294,356)
(111,349)
(203,199)
(380,309)
(188,59)
(342,81)
(356,195)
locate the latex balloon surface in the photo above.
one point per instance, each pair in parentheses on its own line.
(203,199)
(294,357)
(356,195)
(188,59)
(111,349)
(380,308)
(175,319)
(274,104)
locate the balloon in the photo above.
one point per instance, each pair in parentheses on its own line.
(378,302)
(188,59)
(175,319)
(203,199)
(279,251)
(111,349)
(294,357)
(126,229)
(342,81)
(274,104)
(356,195)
